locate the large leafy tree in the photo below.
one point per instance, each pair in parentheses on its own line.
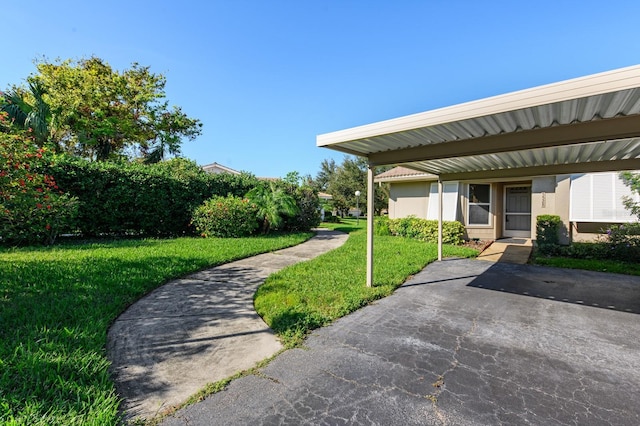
(328,168)
(101,114)
(349,177)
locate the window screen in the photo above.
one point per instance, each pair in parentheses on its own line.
(479,204)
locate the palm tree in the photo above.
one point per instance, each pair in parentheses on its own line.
(28,110)
(272,202)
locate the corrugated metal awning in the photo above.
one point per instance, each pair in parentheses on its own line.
(586,124)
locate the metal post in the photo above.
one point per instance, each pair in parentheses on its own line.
(440,197)
(370,210)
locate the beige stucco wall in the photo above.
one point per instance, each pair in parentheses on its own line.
(549,195)
(556,191)
(562,201)
(408,198)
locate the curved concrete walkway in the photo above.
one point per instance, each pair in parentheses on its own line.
(198,329)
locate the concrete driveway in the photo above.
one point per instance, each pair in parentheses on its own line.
(464,342)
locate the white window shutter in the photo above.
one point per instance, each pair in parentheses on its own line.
(597,197)
(450,201)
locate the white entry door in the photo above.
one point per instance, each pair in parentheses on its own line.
(517,211)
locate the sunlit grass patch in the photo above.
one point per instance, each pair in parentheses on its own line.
(57,303)
(314,293)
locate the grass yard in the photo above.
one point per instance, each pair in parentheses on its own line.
(314,293)
(57,303)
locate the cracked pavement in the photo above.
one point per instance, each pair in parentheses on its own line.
(463,342)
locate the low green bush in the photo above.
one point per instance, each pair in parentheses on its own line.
(329,218)
(618,243)
(547,234)
(427,230)
(624,241)
(308,204)
(226,217)
(381,226)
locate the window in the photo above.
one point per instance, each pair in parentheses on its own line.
(597,197)
(479,204)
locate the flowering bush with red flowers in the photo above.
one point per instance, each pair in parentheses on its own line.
(33,210)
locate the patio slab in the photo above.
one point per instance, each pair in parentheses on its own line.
(509,250)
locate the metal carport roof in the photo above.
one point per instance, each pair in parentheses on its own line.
(586,124)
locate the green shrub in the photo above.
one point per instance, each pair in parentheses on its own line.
(381,226)
(154,200)
(620,242)
(32,208)
(225,217)
(547,234)
(624,242)
(427,230)
(308,204)
(547,229)
(597,250)
(330,218)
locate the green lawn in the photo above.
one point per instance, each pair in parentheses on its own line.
(312,294)
(57,303)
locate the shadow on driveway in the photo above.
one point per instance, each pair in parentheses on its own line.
(458,345)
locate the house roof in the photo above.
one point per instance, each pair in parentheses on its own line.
(585,124)
(404,174)
(219,168)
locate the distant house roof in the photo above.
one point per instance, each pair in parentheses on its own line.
(404,174)
(325,196)
(219,168)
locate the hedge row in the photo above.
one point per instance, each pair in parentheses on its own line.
(153,200)
(420,229)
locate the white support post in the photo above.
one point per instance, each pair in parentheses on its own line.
(370,213)
(440,197)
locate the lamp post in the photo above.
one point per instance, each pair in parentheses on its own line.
(357,207)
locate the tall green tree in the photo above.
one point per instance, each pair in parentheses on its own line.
(101,114)
(272,203)
(349,177)
(328,168)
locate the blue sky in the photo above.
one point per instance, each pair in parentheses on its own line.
(265,77)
